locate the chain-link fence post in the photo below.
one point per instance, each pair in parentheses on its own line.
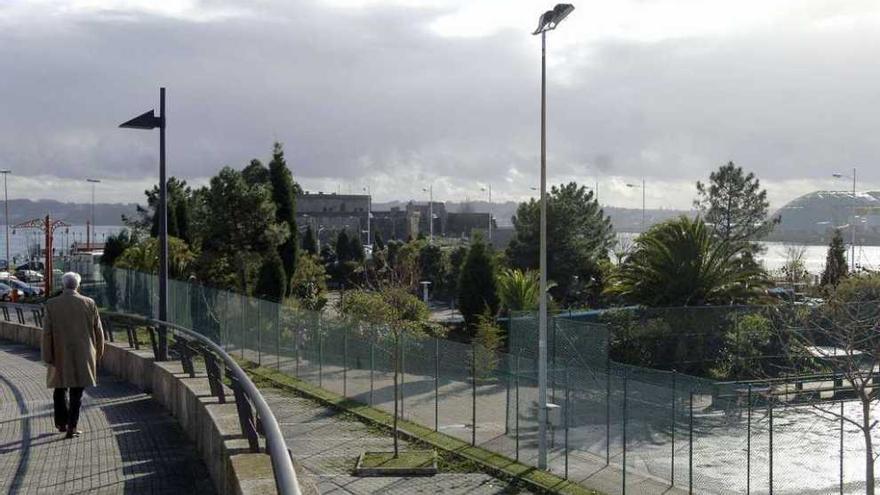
(607,407)
(623,465)
(691,445)
(345,362)
(241,328)
(372,368)
(296,337)
(474,393)
(259,334)
(770,414)
(516,414)
(567,403)
(278,338)
(672,434)
(402,373)
(436,384)
(841,447)
(320,360)
(749,443)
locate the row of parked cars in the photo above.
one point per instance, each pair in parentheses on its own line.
(13,287)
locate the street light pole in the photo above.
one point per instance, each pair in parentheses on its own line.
(148,120)
(6,207)
(489,189)
(369,213)
(852,223)
(94,234)
(430,191)
(548,21)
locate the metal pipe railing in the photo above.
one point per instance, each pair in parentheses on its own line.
(285,476)
(286,480)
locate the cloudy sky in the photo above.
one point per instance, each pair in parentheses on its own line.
(399,94)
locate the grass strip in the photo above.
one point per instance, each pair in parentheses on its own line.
(491,462)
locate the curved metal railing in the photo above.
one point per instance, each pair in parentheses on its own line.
(244,389)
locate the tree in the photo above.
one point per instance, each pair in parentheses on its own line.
(271,280)
(239,229)
(519,290)
(114,248)
(794,269)
(835,261)
(285,210)
(310,242)
(487,341)
(734,204)
(432,266)
(680,263)
(378,242)
(180,198)
(255,173)
(477,288)
(144,257)
(356,249)
(310,282)
(343,247)
(580,233)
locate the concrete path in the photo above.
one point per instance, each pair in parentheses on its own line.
(327,443)
(129,443)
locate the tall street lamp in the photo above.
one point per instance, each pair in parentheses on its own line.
(642,187)
(369,213)
(548,21)
(6,207)
(489,189)
(148,120)
(94,233)
(430,191)
(852,223)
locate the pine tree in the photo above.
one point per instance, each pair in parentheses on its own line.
(477,289)
(285,210)
(309,242)
(356,249)
(271,280)
(343,246)
(378,242)
(835,261)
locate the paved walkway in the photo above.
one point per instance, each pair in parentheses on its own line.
(327,443)
(129,443)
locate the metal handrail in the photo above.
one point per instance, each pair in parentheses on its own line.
(282,466)
(285,476)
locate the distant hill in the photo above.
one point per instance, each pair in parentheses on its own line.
(21,210)
(813,217)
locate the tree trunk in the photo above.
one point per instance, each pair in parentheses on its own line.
(869,448)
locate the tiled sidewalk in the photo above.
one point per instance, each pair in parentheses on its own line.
(129,443)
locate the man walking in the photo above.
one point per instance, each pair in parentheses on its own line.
(73,342)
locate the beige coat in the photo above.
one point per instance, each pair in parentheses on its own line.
(73,340)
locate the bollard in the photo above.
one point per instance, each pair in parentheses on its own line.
(320,360)
(436,384)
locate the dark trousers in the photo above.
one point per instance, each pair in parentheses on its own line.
(67,415)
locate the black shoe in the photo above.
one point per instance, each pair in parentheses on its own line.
(73,433)
(61,429)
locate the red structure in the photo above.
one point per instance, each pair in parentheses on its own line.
(48,227)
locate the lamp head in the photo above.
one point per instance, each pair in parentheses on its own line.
(838,176)
(550,19)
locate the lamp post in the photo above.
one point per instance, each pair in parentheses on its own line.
(852,223)
(94,233)
(369,213)
(148,120)
(642,187)
(489,189)
(430,191)
(548,21)
(6,207)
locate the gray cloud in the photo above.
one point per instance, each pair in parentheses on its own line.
(373,92)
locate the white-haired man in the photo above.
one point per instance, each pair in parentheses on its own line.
(73,342)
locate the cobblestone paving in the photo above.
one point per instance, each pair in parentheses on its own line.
(129,443)
(327,444)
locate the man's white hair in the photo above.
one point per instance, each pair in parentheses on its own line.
(70,280)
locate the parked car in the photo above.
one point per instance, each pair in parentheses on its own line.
(25,289)
(6,292)
(29,276)
(32,265)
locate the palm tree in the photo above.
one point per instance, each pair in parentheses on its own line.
(518,290)
(680,263)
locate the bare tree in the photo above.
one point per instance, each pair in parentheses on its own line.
(841,338)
